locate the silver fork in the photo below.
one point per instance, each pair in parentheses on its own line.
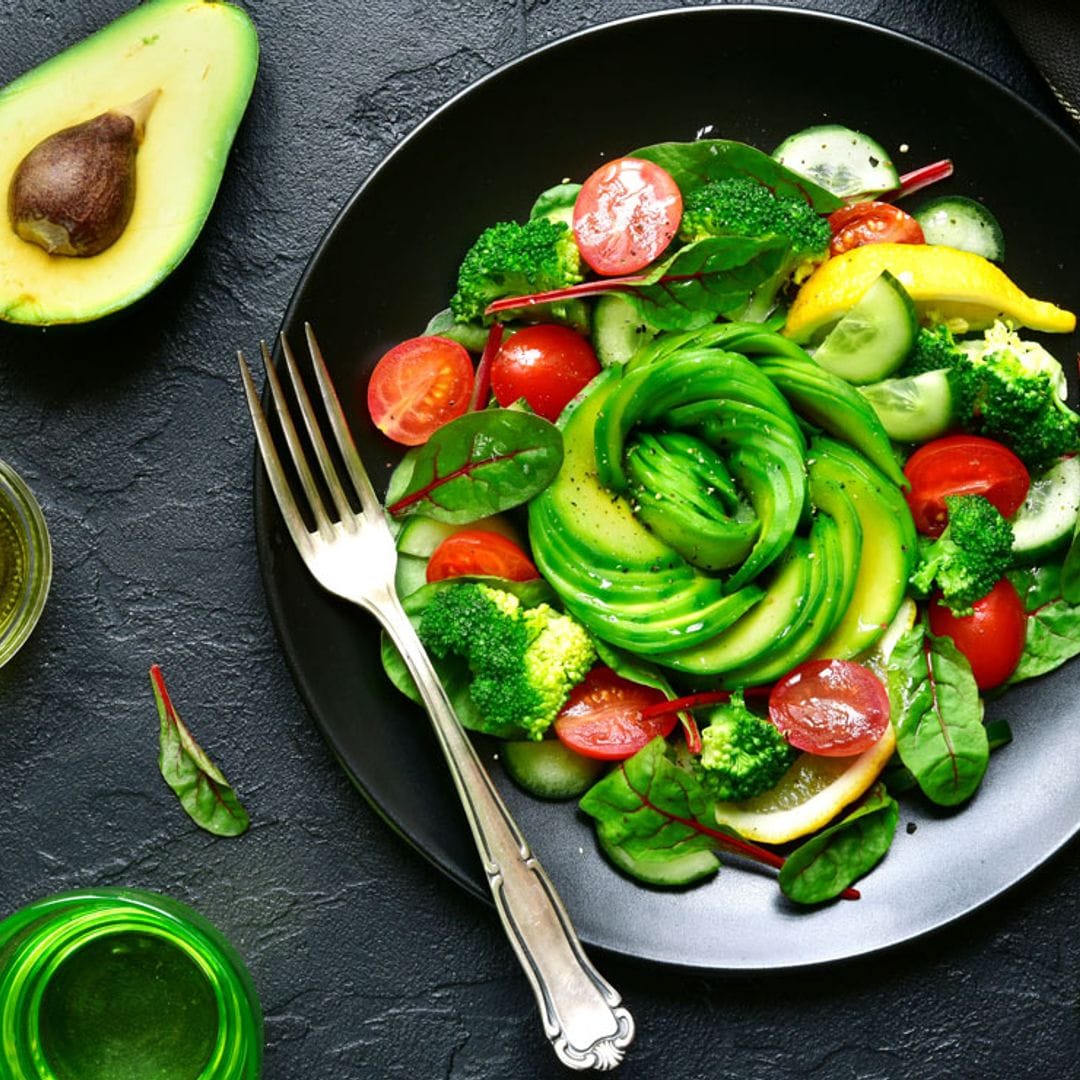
(353,556)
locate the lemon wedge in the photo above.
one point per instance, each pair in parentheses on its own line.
(954,287)
(809,795)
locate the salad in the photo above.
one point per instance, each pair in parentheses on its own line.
(733,489)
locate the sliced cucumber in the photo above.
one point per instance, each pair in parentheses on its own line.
(618,330)
(871,341)
(411,574)
(915,409)
(1047,519)
(845,162)
(957,222)
(422,535)
(684,869)
(547,769)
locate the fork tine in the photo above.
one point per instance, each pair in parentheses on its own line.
(276,474)
(369,501)
(311,423)
(296,450)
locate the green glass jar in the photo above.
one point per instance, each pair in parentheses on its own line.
(120,984)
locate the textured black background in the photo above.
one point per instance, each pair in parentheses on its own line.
(133,435)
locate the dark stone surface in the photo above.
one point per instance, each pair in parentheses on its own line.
(133,434)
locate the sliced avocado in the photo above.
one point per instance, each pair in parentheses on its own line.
(888,550)
(202,56)
(763,629)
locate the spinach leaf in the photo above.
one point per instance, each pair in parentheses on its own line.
(198,783)
(705,279)
(695,163)
(827,864)
(937,715)
(472,336)
(1053,636)
(1037,585)
(649,819)
(481,463)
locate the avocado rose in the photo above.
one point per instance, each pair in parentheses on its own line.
(695,522)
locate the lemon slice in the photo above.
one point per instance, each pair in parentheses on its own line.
(810,794)
(955,287)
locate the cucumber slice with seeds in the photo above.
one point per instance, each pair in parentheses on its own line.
(1046,520)
(871,341)
(843,161)
(549,770)
(618,330)
(958,222)
(913,409)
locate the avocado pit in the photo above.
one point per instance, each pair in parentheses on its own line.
(73,193)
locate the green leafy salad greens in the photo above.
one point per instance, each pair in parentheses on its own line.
(717,513)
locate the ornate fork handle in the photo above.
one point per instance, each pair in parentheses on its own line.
(582,1015)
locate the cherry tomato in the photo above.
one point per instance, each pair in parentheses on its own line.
(626,213)
(872,223)
(480,551)
(835,708)
(547,365)
(991,637)
(418,386)
(962,465)
(602,718)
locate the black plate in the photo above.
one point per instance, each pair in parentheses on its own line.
(388,263)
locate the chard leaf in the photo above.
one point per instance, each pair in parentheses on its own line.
(198,783)
(693,164)
(706,279)
(823,867)
(479,464)
(650,819)
(938,716)
(1053,636)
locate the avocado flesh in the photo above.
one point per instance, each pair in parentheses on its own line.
(202,56)
(825,595)
(888,549)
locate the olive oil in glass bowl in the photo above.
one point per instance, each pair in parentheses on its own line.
(25,562)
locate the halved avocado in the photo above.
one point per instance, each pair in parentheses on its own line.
(202,56)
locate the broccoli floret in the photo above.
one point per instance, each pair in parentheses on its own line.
(738,206)
(524,661)
(968,559)
(935,349)
(742,755)
(1004,388)
(1022,409)
(515,260)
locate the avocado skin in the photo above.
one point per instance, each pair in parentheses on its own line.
(825,593)
(203,56)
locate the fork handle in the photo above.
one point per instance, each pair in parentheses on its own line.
(583,1018)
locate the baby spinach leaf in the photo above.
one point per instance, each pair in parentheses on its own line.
(693,164)
(938,716)
(1037,585)
(827,864)
(649,819)
(481,463)
(203,791)
(705,279)
(1053,636)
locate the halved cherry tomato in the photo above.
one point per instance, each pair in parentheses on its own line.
(962,465)
(602,718)
(991,637)
(626,213)
(547,365)
(835,708)
(480,551)
(872,223)
(418,386)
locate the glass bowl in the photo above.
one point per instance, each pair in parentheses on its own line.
(25,562)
